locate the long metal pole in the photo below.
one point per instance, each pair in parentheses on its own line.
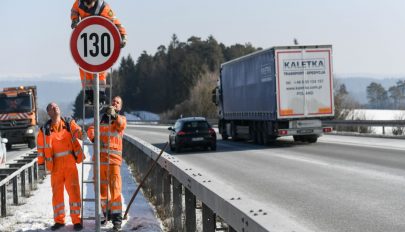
(143,180)
(97,149)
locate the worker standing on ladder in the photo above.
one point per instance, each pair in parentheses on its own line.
(112,126)
(59,149)
(80,10)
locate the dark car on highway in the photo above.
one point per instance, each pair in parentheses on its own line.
(192,132)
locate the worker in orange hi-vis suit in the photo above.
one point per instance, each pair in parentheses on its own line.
(112,126)
(85,8)
(59,150)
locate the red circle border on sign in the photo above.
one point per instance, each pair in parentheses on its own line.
(117,44)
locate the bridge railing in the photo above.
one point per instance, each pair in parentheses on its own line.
(14,177)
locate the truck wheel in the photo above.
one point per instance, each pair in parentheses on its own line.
(260,139)
(213,147)
(31,144)
(234,135)
(253,133)
(298,138)
(177,148)
(8,146)
(265,137)
(312,139)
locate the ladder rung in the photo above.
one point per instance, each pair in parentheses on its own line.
(88,162)
(93,218)
(88,143)
(89,199)
(101,106)
(88,181)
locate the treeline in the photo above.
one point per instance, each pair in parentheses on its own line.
(380,98)
(160,82)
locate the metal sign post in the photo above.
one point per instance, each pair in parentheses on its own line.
(96,151)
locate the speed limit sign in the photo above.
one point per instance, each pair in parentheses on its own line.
(95,44)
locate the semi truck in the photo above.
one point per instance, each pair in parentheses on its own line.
(19,115)
(280,91)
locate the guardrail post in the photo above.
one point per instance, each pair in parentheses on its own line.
(159,186)
(152,181)
(208,219)
(149,180)
(177,204)
(383,130)
(3,200)
(22,176)
(30,178)
(36,174)
(190,211)
(15,190)
(166,193)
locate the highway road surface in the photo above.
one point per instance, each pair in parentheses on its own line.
(338,184)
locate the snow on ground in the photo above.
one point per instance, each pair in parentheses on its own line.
(37,214)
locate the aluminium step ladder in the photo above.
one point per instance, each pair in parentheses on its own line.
(88,161)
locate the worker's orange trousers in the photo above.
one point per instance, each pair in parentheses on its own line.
(111,180)
(65,176)
(87,78)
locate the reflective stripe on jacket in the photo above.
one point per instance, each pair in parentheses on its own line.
(110,139)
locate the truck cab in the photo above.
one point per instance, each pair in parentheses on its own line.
(18,115)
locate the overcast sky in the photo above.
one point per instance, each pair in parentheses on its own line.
(367,35)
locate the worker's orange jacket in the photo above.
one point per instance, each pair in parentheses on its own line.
(65,144)
(111,135)
(80,11)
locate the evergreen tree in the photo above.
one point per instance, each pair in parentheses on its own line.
(377,96)
(159,82)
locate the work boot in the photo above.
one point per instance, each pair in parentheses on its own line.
(116,220)
(57,226)
(77,227)
(89,97)
(116,227)
(104,221)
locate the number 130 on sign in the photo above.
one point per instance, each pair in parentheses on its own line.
(95,44)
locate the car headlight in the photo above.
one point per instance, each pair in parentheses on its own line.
(30,131)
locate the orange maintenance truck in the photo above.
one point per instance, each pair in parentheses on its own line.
(19,115)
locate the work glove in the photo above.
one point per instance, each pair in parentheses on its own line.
(41,171)
(74,23)
(123,41)
(111,112)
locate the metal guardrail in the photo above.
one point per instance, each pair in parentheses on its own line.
(337,124)
(325,122)
(392,123)
(167,182)
(15,173)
